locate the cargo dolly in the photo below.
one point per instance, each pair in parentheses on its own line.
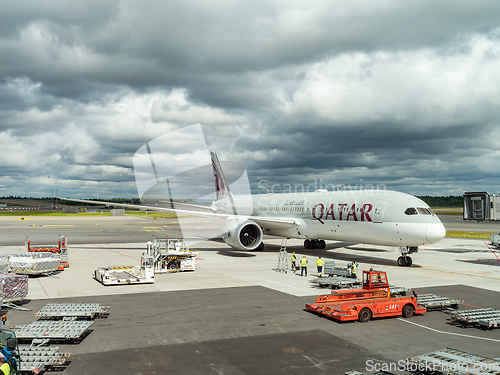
(336,282)
(456,362)
(433,301)
(345,283)
(116,275)
(52,330)
(485,318)
(36,359)
(73,310)
(331,270)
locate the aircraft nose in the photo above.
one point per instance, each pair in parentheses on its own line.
(435,232)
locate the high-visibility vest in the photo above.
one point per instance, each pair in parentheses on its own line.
(303,262)
(320,262)
(353,268)
(293,258)
(5,368)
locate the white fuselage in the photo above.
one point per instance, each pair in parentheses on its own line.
(378,217)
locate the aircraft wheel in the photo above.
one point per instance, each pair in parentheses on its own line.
(408,262)
(365,315)
(322,244)
(260,247)
(401,262)
(307,243)
(173,266)
(408,311)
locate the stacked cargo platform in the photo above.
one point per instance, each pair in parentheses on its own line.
(484,318)
(36,359)
(433,301)
(337,282)
(73,310)
(456,362)
(61,330)
(58,322)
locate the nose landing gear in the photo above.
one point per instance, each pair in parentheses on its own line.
(404,260)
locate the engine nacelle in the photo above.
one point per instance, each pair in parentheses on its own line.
(244,235)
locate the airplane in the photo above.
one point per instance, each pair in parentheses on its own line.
(374,217)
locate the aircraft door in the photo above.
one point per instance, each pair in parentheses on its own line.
(378,216)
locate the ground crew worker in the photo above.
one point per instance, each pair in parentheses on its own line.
(303,266)
(353,270)
(294,259)
(4,366)
(4,319)
(319,264)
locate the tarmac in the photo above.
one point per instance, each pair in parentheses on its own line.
(236,314)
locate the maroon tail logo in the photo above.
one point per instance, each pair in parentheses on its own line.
(220,188)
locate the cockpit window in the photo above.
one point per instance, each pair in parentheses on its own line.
(411,211)
(423,211)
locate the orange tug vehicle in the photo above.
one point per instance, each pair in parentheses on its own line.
(373,300)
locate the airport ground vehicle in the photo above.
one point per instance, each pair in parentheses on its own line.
(165,255)
(116,275)
(10,350)
(372,300)
(171,255)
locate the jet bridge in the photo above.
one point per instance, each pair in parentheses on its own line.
(481,206)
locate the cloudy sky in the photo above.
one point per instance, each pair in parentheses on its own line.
(405,94)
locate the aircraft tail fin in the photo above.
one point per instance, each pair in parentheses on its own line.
(221,185)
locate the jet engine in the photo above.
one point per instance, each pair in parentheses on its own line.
(245,235)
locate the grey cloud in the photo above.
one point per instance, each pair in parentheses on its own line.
(404,94)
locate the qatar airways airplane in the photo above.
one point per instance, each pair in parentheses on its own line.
(376,217)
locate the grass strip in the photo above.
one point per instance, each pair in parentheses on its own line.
(474,235)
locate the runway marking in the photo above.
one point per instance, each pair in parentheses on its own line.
(448,333)
(477,307)
(491,250)
(55,225)
(114,251)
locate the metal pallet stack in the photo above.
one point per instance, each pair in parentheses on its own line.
(73,310)
(454,362)
(433,301)
(347,283)
(486,318)
(337,282)
(62,326)
(52,330)
(41,358)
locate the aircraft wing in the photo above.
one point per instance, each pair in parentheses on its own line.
(265,222)
(153,208)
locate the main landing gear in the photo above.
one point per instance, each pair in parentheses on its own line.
(404,260)
(314,244)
